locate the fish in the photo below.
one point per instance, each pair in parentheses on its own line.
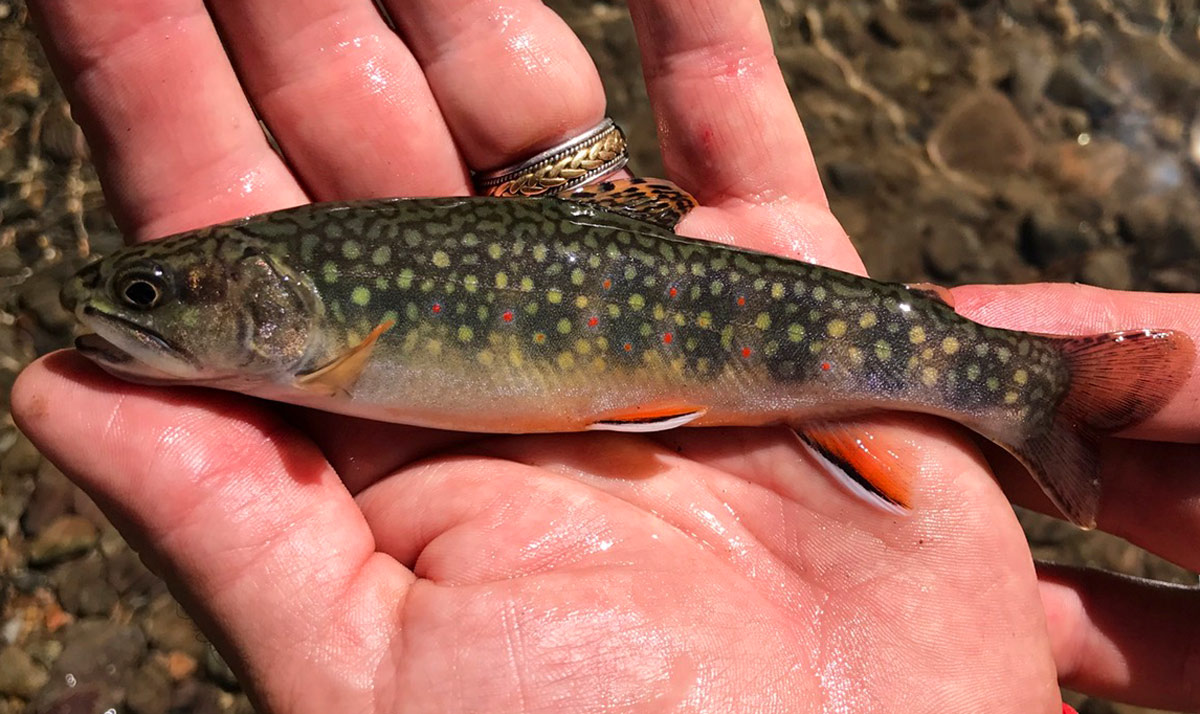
(589,312)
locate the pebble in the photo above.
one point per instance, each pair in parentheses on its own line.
(168,628)
(982,133)
(1108,268)
(66,537)
(1072,85)
(19,675)
(1047,237)
(180,665)
(52,498)
(150,690)
(82,588)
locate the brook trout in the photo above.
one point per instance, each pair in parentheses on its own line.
(589,312)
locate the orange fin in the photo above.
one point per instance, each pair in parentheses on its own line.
(862,461)
(1117,381)
(656,201)
(337,377)
(933,292)
(648,420)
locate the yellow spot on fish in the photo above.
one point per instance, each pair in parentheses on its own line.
(818,293)
(717,287)
(867,320)
(441,259)
(614,311)
(351,250)
(993,383)
(471,283)
(539,252)
(581,302)
(916,335)
(501,280)
(495,250)
(973,372)
(360,296)
(1011,397)
(929,376)
(883,351)
(630,272)
(553,296)
(777,291)
(330,272)
(486,358)
(434,347)
(381,255)
(465,334)
(927,353)
(856,355)
(1003,354)
(659,312)
(795,332)
(566,360)
(577,277)
(704,319)
(405,279)
(836,328)
(637,302)
(950,345)
(515,358)
(698,270)
(527,284)
(564,326)
(426,286)
(1021,376)
(583,347)
(763,321)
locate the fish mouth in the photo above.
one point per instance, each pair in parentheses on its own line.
(113,343)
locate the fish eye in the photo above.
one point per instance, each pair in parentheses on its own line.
(143,291)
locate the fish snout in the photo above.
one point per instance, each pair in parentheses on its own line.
(79,286)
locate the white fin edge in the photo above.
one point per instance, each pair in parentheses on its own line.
(646,427)
(854,487)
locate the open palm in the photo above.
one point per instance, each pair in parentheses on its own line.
(343,565)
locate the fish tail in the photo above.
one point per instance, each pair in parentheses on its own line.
(1117,380)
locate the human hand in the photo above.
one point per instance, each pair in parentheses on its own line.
(346,564)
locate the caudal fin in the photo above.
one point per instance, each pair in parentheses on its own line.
(1117,380)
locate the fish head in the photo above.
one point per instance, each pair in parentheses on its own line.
(208,307)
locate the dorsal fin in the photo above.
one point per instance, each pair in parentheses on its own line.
(337,377)
(933,292)
(656,201)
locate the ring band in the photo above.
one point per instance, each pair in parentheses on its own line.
(588,157)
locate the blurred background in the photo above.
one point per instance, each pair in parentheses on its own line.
(959,140)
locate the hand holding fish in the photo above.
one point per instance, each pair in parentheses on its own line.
(349,564)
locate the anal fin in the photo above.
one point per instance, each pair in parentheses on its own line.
(863,462)
(338,376)
(648,420)
(656,201)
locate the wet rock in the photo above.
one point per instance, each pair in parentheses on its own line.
(180,665)
(39,297)
(66,537)
(1072,85)
(150,690)
(19,675)
(983,133)
(1107,269)
(80,699)
(199,698)
(81,586)
(1181,280)
(218,670)
(1047,237)
(22,457)
(52,497)
(949,248)
(169,629)
(61,138)
(890,27)
(132,579)
(98,659)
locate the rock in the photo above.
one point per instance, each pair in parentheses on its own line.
(1177,280)
(850,178)
(61,138)
(132,579)
(82,699)
(90,675)
(1073,86)
(949,248)
(983,133)
(22,457)
(1047,237)
(19,675)
(81,586)
(890,27)
(169,629)
(66,537)
(52,497)
(1107,269)
(150,690)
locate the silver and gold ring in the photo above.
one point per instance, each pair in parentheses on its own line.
(599,152)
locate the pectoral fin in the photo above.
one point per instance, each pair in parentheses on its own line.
(648,420)
(337,377)
(865,463)
(656,201)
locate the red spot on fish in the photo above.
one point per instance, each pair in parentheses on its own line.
(539,338)
(628,347)
(593,321)
(607,284)
(436,308)
(673,291)
(746,352)
(507,316)
(741,300)
(668,338)
(826,366)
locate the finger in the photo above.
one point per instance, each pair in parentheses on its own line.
(269,548)
(728,128)
(511,80)
(1123,638)
(1079,310)
(344,97)
(174,139)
